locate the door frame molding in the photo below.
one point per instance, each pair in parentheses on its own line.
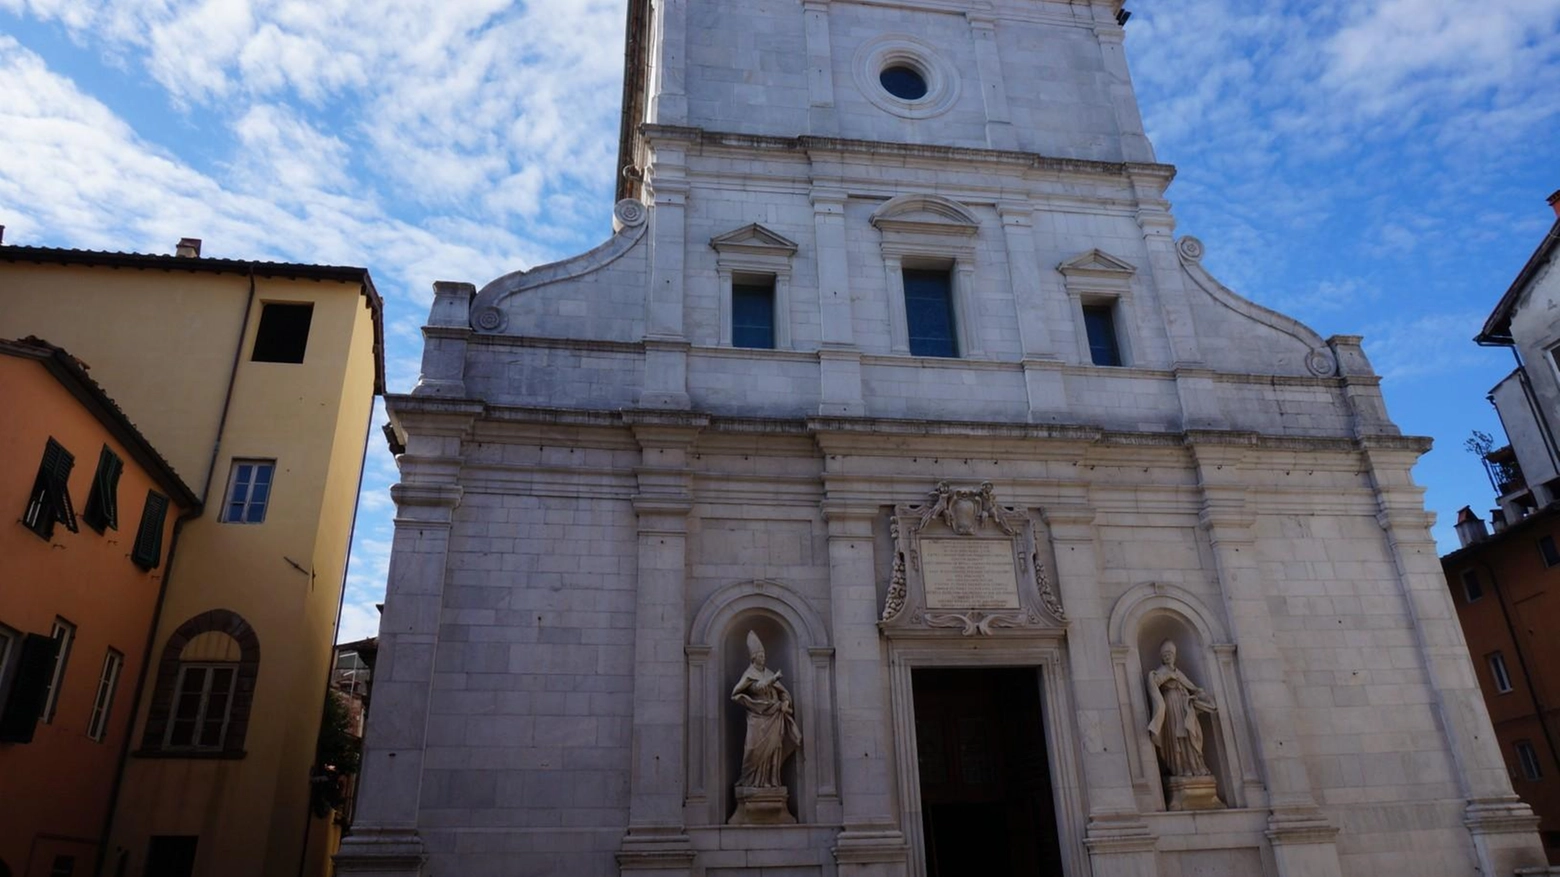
(1044,653)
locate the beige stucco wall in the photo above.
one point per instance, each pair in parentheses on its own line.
(163,344)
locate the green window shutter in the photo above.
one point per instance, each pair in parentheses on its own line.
(102,509)
(57,463)
(147,553)
(34,669)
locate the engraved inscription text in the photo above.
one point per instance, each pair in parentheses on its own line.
(969,574)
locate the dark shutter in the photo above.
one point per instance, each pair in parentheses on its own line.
(147,553)
(58,462)
(29,689)
(102,509)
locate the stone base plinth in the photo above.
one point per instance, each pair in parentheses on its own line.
(1194,793)
(762,807)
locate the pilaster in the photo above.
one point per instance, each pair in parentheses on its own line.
(820,69)
(1302,838)
(993,90)
(669,61)
(871,844)
(666,348)
(1120,844)
(1504,828)
(444,341)
(1129,119)
(385,841)
(657,837)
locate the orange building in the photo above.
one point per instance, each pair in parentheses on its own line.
(1503,585)
(82,571)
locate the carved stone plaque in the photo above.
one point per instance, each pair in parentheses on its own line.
(969,574)
(964,562)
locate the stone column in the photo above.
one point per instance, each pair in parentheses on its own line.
(1504,828)
(871,844)
(384,840)
(666,349)
(657,839)
(1302,838)
(1119,842)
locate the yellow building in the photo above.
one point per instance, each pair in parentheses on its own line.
(256,380)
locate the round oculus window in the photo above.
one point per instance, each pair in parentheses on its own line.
(903,82)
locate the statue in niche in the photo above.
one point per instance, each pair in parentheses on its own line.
(772,736)
(1176,730)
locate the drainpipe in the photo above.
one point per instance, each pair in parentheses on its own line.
(162,592)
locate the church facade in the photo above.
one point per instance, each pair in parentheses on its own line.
(894,494)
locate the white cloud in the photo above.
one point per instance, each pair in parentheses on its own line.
(1425,346)
(358,621)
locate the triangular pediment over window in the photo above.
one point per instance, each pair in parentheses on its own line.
(1096,263)
(753,238)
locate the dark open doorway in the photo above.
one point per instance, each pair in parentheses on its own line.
(986,800)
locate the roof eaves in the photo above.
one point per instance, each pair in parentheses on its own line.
(73,376)
(1497,329)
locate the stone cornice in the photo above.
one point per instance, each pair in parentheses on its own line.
(809,145)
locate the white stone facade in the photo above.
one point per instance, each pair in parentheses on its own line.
(600,495)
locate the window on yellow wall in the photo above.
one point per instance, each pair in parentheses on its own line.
(249,491)
(102,511)
(283,333)
(103,703)
(147,551)
(202,704)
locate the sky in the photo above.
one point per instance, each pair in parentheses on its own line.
(1376,168)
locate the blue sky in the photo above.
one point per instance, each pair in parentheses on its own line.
(1370,168)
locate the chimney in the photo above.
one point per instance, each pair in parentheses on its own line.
(188,248)
(1554,202)
(1470,528)
(1497,519)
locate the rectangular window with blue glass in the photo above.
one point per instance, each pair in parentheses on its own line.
(929,312)
(753,312)
(1099,321)
(249,491)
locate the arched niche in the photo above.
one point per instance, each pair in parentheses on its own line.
(796,642)
(1143,619)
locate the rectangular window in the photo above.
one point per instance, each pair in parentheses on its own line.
(63,634)
(201,701)
(171,855)
(1546,548)
(1527,756)
(1099,321)
(753,312)
(103,703)
(1498,671)
(10,645)
(1472,589)
(102,511)
(249,491)
(29,688)
(49,502)
(283,333)
(929,312)
(147,553)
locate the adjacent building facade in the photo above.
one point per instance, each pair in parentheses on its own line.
(258,378)
(1501,581)
(1527,321)
(84,564)
(893,494)
(1502,585)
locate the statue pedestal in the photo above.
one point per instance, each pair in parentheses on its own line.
(1194,793)
(762,807)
